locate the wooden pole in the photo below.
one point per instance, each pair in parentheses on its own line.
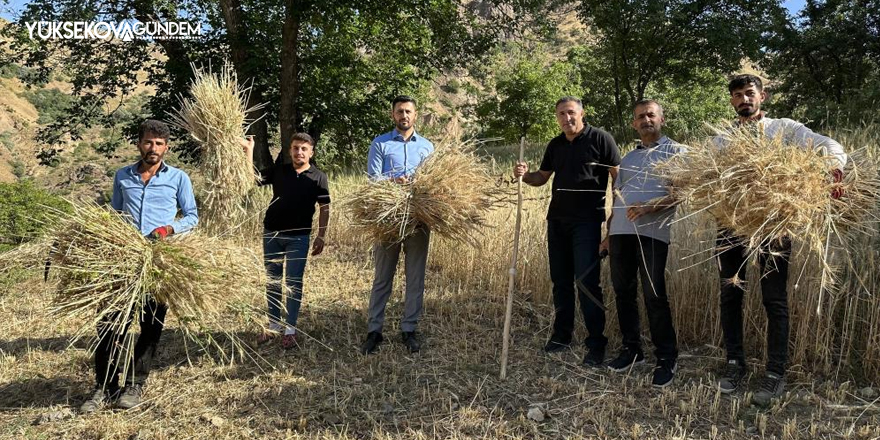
(512,272)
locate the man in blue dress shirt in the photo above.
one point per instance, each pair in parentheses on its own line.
(396,155)
(152,193)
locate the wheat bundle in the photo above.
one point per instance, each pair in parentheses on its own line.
(215,115)
(104,265)
(765,189)
(450,193)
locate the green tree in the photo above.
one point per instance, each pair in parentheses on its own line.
(322,67)
(523,99)
(825,67)
(643,41)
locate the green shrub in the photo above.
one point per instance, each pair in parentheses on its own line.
(24,209)
(50,103)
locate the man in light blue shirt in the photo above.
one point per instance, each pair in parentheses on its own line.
(638,245)
(151,193)
(396,155)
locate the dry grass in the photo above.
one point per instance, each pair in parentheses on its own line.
(106,270)
(451,390)
(764,189)
(215,115)
(450,193)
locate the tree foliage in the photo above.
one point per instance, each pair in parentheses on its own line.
(524,96)
(826,65)
(644,41)
(322,67)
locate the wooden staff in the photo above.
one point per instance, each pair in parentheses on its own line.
(512,271)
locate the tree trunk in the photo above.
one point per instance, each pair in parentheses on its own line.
(238,43)
(288,116)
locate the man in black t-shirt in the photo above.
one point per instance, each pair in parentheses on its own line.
(297,186)
(582,158)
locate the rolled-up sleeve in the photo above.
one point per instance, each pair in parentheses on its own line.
(186,201)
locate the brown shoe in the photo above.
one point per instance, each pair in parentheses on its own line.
(289,342)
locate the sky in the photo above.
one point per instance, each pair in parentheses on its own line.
(8,8)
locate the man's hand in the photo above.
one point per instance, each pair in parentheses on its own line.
(837,177)
(520,169)
(318,246)
(638,210)
(161,232)
(247,144)
(604,248)
(401,180)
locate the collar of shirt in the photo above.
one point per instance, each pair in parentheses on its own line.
(397,136)
(133,168)
(662,141)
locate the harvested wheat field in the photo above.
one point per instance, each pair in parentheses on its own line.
(451,390)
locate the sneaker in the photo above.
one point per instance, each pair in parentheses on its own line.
(733,374)
(555,345)
(594,357)
(626,360)
(372,343)
(664,372)
(131,396)
(772,386)
(411,342)
(289,341)
(100,398)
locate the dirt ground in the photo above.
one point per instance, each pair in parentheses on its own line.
(326,390)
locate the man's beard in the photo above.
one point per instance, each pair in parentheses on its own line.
(146,159)
(747,111)
(401,127)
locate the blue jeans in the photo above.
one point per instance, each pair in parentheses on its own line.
(293,250)
(573,249)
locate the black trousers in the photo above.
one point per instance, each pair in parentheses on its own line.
(773,259)
(111,346)
(573,249)
(633,257)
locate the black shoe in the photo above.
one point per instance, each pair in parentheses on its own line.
(131,396)
(594,357)
(664,372)
(626,360)
(410,341)
(372,343)
(555,345)
(772,386)
(99,399)
(733,375)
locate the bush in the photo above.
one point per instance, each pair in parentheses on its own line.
(51,104)
(24,209)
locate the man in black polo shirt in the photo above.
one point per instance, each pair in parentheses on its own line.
(297,186)
(582,157)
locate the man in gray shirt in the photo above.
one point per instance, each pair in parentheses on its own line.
(638,244)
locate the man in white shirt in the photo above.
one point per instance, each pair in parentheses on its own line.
(746,95)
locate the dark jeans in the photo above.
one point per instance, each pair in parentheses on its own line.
(111,345)
(573,248)
(631,256)
(774,279)
(292,251)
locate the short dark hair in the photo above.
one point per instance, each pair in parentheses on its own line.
(154,127)
(569,98)
(303,137)
(642,102)
(744,80)
(402,98)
